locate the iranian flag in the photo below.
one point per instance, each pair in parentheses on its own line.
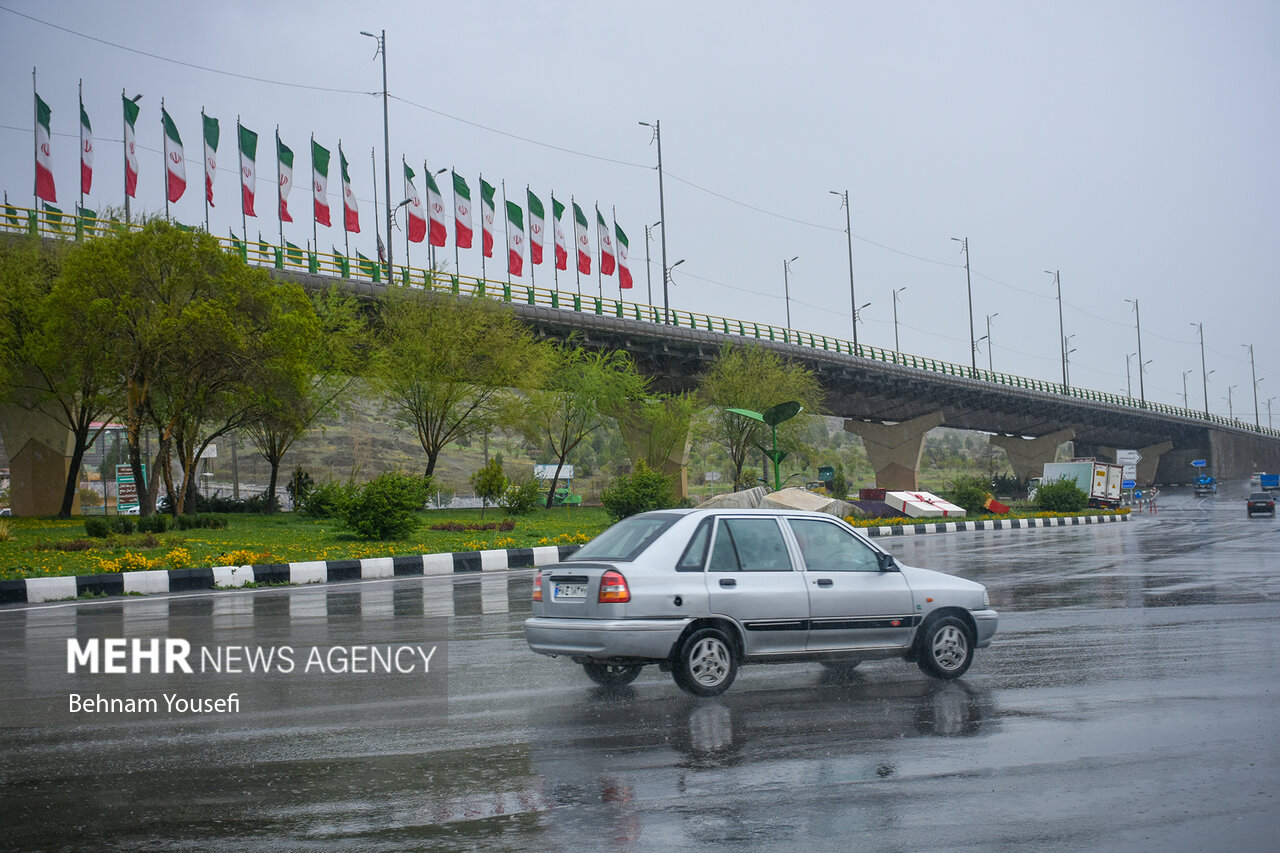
(320,182)
(248,168)
(461,212)
(211,133)
(44,153)
(624,274)
(350,215)
(515,239)
(284,156)
(562,247)
(174,160)
(86,152)
(130,147)
(583,241)
(417,218)
(435,210)
(607,262)
(537,227)
(487,213)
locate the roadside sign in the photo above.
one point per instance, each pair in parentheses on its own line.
(127,489)
(1198,463)
(546,472)
(1127,484)
(1128,457)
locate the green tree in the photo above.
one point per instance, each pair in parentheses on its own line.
(450,368)
(657,429)
(578,397)
(640,491)
(52,354)
(490,483)
(752,377)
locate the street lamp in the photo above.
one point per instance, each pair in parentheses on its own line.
(648,276)
(1203,372)
(968,280)
(1128,379)
(1067,349)
(1257,421)
(990,367)
(1269,401)
(1057,282)
(857,313)
(848,232)
(1231,414)
(386,135)
(896,348)
(662,218)
(1185,373)
(1142,391)
(786,287)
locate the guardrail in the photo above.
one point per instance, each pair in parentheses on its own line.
(289,257)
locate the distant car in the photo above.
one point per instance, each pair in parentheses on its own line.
(1255,479)
(700,592)
(1262,503)
(4,511)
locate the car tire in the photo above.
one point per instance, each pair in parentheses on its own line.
(612,675)
(945,648)
(705,664)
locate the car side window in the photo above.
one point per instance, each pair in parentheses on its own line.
(828,548)
(695,553)
(749,545)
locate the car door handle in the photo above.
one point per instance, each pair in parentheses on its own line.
(727,582)
(824,582)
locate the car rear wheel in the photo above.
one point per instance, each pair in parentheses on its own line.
(612,675)
(946,648)
(705,665)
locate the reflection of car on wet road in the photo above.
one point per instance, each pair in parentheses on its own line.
(699,592)
(1261,503)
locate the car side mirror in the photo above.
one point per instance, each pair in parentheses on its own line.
(887,563)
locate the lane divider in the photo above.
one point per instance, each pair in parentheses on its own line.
(34,590)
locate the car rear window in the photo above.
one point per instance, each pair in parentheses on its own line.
(626,540)
(1260,496)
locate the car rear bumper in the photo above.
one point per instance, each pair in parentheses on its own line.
(986,622)
(650,639)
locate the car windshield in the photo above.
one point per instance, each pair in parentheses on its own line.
(625,540)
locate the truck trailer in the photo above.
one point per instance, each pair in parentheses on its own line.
(1099,480)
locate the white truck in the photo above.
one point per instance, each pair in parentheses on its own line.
(1099,480)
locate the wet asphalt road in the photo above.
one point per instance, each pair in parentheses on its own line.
(1129,702)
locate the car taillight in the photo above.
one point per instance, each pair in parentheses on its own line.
(537,587)
(613,589)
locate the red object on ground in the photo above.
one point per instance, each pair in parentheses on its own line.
(993,505)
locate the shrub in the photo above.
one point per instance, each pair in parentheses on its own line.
(89,497)
(839,486)
(522,496)
(299,485)
(968,493)
(197,522)
(489,482)
(327,500)
(98,528)
(387,506)
(122,524)
(1062,495)
(157,523)
(640,491)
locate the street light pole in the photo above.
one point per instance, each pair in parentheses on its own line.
(1128,377)
(1269,401)
(968,280)
(1257,421)
(1142,391)
(1231,413)
(786,287)
(990,366)
(648,276)
(1062,332)
(662,218)
(1066,352)
(896,348)
(1184,388)
(1203,373)
(386,139)
(848,232)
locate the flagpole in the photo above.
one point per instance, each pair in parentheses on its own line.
(528,191)
(244,223)
(315,238)
(35,142)
(555,224)
(164,145)
(648,276)
(482,229)
(124,146)
(617,253)
(203,143)
(599,253)
(346,241)
(577,267)
(457,260)
(279,192)
(506,229)
(373,159)
(80,92)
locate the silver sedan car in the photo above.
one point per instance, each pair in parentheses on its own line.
(700,592)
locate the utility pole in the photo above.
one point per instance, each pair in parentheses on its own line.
(848,232)
(662,218)
(786,287)
(386,141)
(1203,373)
(990,367)
(1257,421)
(896,347)
(1142,390)
(968,280)
(1062,331)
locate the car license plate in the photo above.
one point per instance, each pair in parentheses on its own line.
(570,591)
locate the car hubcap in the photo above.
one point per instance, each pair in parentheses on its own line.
(709,662)
(950,647)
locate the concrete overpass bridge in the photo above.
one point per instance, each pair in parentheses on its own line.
(890,399)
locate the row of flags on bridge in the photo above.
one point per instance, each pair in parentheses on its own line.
(426,222)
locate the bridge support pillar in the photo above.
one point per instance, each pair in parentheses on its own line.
(1148,464)
(39,451)
(894,450)
(663,443)
(1029,455)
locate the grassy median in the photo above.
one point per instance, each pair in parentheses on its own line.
(46,547)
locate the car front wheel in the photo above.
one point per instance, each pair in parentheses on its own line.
(612,675)
(704,664)
(946,648)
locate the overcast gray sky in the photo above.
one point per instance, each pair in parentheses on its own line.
(1131,145)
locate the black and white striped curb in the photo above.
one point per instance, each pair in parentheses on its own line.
(32,590)
(992,524)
